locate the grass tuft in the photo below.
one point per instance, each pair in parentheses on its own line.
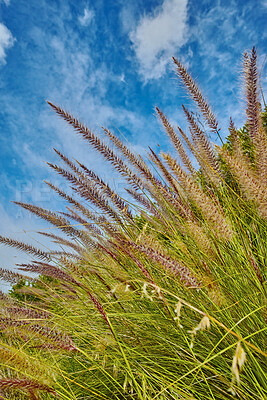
(158,295)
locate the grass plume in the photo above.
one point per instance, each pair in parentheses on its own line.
(161,294)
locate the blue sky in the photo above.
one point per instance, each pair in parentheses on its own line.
(109,63)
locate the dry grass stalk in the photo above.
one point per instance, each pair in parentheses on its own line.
(136,161)
(89,192)
(208,208)
(205,153)
(58,338)
(176,268)
(106,190)
(197,96)
(87,134)
(13,277)
(233,134)
(176,141)
(253,110)
(47,270)
(60,222)
(16,359)
(250,184)
(62,241)
(27,248)
(252,94)
(145,202)
(177,200)
(100,221)
(31,386)
(14,310)
(111,194)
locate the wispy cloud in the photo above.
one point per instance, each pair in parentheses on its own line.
(6,41)
(87,17)
(219,35)
(157,36)
(6,2)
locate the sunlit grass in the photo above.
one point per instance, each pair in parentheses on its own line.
(162,296)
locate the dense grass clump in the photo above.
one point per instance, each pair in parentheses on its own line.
(159,297)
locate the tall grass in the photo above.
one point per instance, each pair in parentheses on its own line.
(159,297)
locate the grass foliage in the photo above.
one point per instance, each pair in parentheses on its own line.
(161,295)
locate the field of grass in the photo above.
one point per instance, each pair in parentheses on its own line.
(158,295)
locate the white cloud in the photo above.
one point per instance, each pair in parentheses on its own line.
(128,16)
(158,36)
(87,17)
(7,2)
(122,78)
(6,41)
